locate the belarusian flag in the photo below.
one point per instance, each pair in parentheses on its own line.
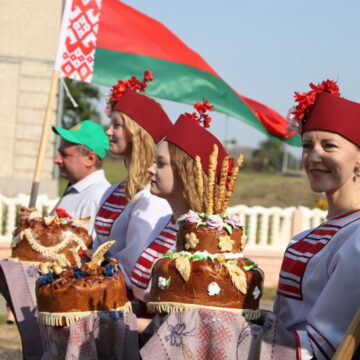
(103,41)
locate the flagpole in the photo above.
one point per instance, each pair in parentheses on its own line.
(44,139)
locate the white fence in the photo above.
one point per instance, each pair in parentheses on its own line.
(272,228)
(9,212)
(265,228)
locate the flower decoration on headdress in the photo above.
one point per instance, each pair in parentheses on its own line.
(297,114)
(201,116)
(117,91)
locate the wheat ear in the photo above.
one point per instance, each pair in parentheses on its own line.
(222,185)
(199,182)
(212,179)
(234,175)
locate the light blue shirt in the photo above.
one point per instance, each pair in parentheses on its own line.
(82,199)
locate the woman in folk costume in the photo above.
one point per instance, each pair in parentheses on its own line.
(319,287)
(129,213)
(173,178)
(318,293)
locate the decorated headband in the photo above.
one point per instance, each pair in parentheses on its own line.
(117,91)
(125,97)
(298,115)
(323,109)
(188,134)
(201,116)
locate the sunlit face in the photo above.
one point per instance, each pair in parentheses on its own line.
(119,136)
(330,161)
(163,178)
(72,164)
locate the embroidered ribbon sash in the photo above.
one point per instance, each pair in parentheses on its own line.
(111,209)
(163,243)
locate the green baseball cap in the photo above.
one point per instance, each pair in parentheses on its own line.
(87,133)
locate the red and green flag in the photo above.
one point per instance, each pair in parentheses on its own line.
(103,41)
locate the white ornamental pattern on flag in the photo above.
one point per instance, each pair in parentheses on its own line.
(76,51)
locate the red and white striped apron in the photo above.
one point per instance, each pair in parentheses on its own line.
(163,243)
(110,210)
(298,255)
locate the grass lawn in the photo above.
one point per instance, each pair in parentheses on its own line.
(272,189)
(269,294)
(252,188)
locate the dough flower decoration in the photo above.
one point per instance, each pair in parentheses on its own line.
(109,270)
(46,279)
(297,114)
(226,243)
(191,241)
(118,90)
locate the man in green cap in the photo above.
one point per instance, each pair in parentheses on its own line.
(81,151)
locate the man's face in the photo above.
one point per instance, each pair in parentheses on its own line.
(73,166)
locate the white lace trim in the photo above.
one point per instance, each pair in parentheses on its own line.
(65,319)
(168,307)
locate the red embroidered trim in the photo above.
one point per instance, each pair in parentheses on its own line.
(110,210)
(163,243)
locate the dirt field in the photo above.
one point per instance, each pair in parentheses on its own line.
(10,345)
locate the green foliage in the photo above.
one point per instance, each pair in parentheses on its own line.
(85,95)
(273,151)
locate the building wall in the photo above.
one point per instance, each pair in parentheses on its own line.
(29,34)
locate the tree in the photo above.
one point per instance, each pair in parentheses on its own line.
(273,151)
(85,95)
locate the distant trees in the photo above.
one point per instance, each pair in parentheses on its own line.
(273,151)
(85,95)
(269,156)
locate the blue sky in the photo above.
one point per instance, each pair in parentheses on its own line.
(266,49)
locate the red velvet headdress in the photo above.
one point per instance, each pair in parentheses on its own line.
(188,135)
(142,109)
(322,108)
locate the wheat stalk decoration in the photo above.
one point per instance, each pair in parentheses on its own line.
(230,188)
(199,182)
(222,185)
(212,179)
(218,195)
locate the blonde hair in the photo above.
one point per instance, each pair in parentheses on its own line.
(185,170)
(142,156)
